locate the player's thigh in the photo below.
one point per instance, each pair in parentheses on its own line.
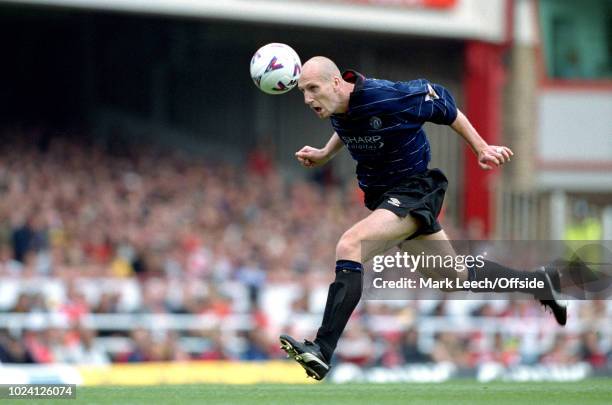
(378,232)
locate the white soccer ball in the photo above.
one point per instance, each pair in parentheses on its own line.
(275,68)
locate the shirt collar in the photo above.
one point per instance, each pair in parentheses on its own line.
(352,76)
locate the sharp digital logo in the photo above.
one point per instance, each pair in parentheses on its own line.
(363,142)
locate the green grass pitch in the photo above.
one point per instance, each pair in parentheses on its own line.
(592,391)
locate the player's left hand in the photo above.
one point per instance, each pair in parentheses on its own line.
(494,155)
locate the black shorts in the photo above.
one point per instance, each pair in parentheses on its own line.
(420,195)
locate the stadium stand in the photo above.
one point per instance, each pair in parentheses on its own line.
(119,252)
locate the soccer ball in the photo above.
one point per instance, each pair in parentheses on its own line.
(275,68)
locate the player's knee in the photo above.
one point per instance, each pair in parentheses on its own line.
(349,247)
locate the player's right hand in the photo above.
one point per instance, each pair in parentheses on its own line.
(311,157)
(494,156)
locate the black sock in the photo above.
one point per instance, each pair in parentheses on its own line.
(491,271)
(343,296)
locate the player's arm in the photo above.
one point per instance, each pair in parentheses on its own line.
(487,154)
(313,157)
(439,107)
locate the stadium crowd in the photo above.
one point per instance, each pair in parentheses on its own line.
(108,227)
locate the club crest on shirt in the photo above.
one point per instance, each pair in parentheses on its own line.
(375,122)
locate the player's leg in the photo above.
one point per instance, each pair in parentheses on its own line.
(382,229)
(435,245)
(373,235)
(438,244)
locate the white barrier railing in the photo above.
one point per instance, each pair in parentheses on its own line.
(245,322)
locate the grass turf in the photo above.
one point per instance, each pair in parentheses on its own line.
(592,391)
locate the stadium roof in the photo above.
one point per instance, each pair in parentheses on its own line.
(457,19)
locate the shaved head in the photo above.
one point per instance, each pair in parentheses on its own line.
(325,91)
(322,67)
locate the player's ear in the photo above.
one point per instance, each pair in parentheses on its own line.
(336,83)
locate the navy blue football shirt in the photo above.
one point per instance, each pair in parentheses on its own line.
(382,128)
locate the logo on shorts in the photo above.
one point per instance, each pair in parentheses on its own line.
(375,122)
(394,201)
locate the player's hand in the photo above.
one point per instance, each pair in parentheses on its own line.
(494,156)
(311,157)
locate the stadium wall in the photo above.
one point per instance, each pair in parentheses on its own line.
(210,372)
(281,372)
(473,19)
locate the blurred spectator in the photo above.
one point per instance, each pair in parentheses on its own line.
(22,239)
(260,161)
(86,350)
(561,352)
(356,346)
(257,346)
(584,225)
(410,348)
(215,349)
(449,348)
(12,350)
(590,350)
(142,347)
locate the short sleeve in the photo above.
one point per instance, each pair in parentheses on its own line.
(438,105)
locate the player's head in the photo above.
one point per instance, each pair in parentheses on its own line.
(325,92)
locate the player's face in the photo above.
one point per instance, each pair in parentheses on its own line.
(320,95)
